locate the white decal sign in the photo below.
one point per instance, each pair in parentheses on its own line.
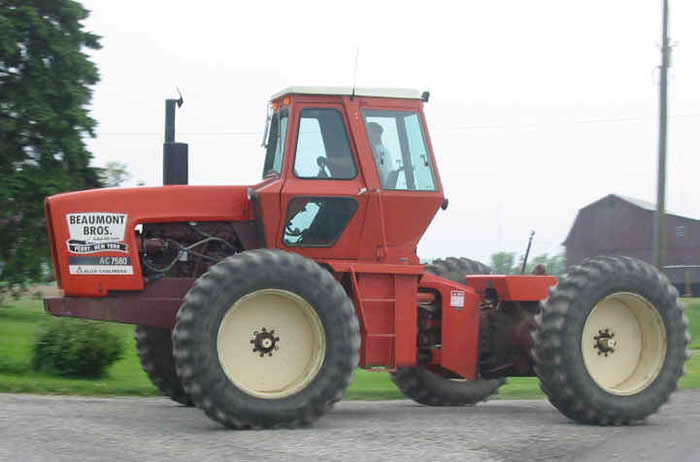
(100,265)
(457,299)
(92,232)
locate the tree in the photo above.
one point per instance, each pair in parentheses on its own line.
(45,87)
(503,262)
(555,265)
(114,174)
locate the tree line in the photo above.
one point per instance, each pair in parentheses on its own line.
(511,263)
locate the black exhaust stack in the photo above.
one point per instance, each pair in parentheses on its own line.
(174,154)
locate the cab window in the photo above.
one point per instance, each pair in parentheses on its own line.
(323,149)
(399,150)
(317,221)
(277,134)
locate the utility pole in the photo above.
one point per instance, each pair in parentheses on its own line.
(660,218)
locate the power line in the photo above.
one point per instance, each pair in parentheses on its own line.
(452,129)
(567,122)
(99,133)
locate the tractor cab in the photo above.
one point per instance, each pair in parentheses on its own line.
(348,174)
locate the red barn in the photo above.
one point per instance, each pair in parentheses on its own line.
(618,225)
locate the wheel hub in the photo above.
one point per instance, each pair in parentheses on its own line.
(265,342)
(605,342)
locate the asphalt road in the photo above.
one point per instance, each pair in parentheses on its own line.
(42,428)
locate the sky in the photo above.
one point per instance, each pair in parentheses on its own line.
(538,108)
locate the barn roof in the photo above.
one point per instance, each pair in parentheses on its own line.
(642,204)
(639,203)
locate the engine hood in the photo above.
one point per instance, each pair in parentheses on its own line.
(93,242)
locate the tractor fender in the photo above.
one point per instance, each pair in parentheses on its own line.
(518,288)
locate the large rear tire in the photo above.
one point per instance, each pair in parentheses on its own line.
(428,388)
(266,338)
(456,269)
(610,341)
(155,349)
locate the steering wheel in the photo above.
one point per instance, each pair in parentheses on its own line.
(293,232)
(393,176)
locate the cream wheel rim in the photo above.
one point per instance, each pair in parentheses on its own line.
(624,343)
(271,343)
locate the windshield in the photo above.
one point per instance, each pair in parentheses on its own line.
(276,131)
(399,149)
(323,148)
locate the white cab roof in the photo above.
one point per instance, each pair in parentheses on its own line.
(405,93)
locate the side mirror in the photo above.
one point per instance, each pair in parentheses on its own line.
(445,203)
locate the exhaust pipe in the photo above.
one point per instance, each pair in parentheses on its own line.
(174,154)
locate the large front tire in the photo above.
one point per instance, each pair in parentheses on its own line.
(266,339)
(610,341)
(430,389)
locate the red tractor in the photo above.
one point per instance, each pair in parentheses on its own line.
(256,303)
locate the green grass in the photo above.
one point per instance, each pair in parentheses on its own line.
(693,313)
(19,323)
(370,385)
(18,327)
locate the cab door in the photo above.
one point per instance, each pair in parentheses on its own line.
(323,200)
